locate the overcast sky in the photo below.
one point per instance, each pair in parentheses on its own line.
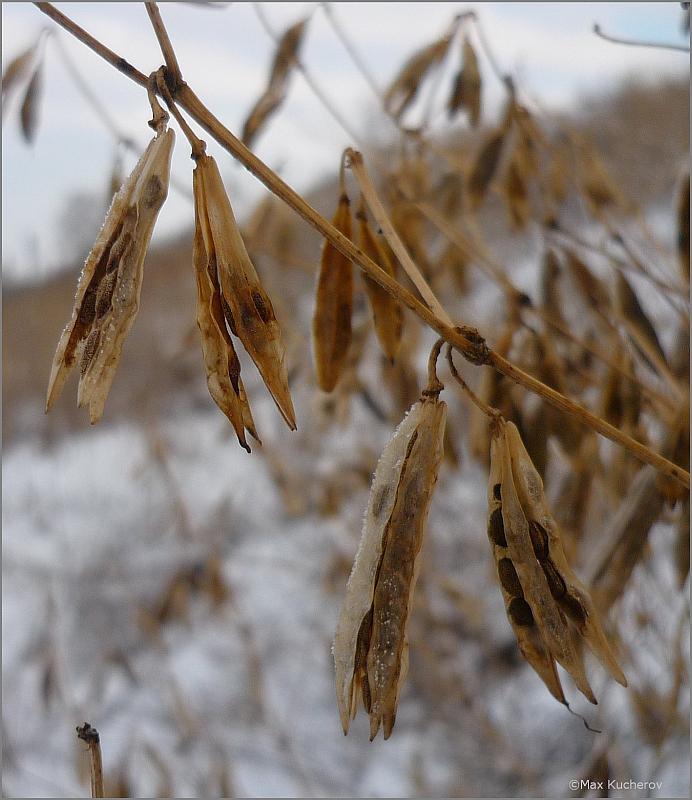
(225,54)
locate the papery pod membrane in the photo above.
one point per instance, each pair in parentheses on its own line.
(529,638)
(575,600)
(371,646)
(386,311)
(220,359)
(252,315)
(331,323)
(107,297)
(549,618)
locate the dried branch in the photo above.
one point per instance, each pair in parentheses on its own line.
(188,100)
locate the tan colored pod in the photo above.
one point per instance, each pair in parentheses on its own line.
(528,635)
(220,359)
(404,88)
(548,616)
(570,593)
(387,313)
(466,90)
(371,646)
(252,314)
(331,323)
(109,286)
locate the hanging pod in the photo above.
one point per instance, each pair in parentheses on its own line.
(107,298)
(371,645)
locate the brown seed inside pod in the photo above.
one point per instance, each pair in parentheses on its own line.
(497,491)
(572,606)
(539,540)
(496,528)
(509,578)
(520,611)
(555,582)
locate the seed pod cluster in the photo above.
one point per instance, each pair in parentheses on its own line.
(108,291)
(234,289)
(548,607)
(331,323)
(371,646)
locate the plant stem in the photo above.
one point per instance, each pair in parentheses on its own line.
(484,407)
(189,101)
(90,735)
(173,75)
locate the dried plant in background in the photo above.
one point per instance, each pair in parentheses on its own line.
(275,93)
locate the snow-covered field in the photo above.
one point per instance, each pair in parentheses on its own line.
(237,696)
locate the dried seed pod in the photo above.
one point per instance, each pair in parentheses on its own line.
(641,326)
(529,638)
(549,619)
(28,113)
(277,87)
(516,195)
(485,166)
(251,311)
(387,313)
(575,600)
(120,247)
(220,359)
(404,88)
(331,323)
(591,288)
(597,186)
(466,90)
(370,646)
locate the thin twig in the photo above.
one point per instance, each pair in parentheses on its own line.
(484,407)
(351,50)
(638,43)
(189,101)
(91,736)
(435,385)
(173,75)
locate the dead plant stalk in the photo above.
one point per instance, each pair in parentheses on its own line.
(188,100)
